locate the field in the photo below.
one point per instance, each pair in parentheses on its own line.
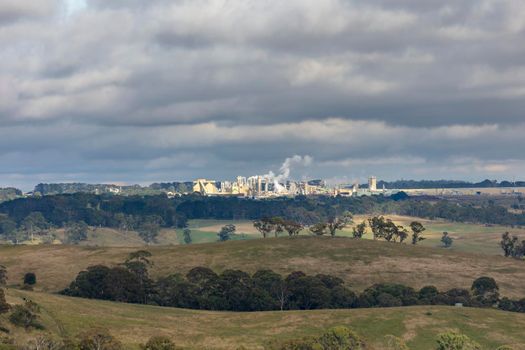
(133,324)
(360,263)
(205,231)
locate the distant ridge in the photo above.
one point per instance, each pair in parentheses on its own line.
(425,184)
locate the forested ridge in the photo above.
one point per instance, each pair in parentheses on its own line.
(425,184)
(117,211)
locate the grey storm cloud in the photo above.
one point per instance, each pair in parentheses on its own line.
(148,90)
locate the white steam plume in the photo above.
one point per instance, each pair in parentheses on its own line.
(286,169)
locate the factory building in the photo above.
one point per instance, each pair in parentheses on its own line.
(372,184)
(205,187)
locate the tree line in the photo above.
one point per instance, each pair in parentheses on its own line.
(381,227)
(23,218)
(236,290)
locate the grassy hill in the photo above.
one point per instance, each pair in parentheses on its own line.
(360,263)
(133,324)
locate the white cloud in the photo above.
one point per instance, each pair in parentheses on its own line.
(138,87)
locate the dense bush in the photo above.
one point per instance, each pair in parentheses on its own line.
(25,316)
(30,279)
(159,343)
(456,341)
(102,282)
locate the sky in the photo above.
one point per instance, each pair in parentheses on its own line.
(140,91)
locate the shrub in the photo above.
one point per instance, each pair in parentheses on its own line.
(456,341)
(395,343)
(453,296)
(485,291)
(388,294)
(340,338)
(507,304)
(427,295)
(30,279)
(24,316)
(45,342)
(4,306)
(6,340)
(337,338)
(159,343)
(98,339)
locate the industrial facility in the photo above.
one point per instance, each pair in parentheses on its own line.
(258,186)
(270,186)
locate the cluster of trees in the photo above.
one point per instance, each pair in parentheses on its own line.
(44,189)
(235,290)
(332,225)
(35,225)
(488,213)
(202,288)
(9,193)
(381,228)
(21,218)
(386,229)
(277,225)
(512,246)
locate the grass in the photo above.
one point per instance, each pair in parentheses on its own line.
(133,324)
(360,263)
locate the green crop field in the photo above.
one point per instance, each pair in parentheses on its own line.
(133,324)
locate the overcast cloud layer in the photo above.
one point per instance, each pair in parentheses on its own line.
(136,91)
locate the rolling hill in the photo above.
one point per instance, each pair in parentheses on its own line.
(360,263)
(133,324)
